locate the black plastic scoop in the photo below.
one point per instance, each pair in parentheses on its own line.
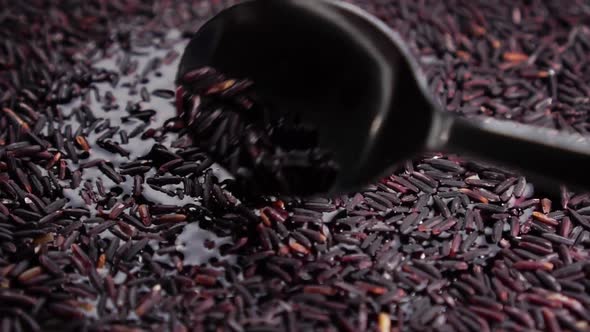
(353,78)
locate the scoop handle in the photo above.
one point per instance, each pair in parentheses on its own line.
(550,157)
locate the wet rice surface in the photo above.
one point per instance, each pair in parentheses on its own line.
(112,219)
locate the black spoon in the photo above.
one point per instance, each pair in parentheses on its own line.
(353,78)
